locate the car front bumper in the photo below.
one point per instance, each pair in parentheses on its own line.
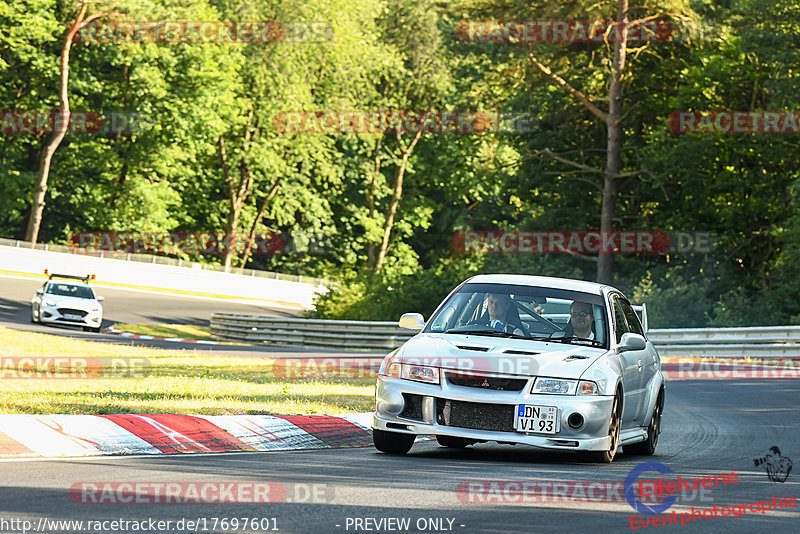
(487,415)
(52,315)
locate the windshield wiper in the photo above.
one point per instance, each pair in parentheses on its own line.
(573,339)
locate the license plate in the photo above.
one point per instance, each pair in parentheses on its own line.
(73,317)
(540,419)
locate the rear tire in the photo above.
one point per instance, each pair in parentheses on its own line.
(392,442)
(452,442)
(648,446)
(606,457)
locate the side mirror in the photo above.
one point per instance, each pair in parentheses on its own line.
(631,341)
(40,291)
(100,299)
(412,321)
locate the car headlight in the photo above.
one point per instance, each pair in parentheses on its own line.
(556,386)
(561,386)
(410,371)
(48,302)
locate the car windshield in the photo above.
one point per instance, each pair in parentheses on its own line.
(529,312)
(69,290)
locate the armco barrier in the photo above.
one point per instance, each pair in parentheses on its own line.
(317,333)
(754,342)
(750,341)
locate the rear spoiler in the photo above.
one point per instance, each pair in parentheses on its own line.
(641,311)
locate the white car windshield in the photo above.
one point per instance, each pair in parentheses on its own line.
(528,312)
(69,290)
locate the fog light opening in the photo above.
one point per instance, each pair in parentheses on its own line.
(575,421)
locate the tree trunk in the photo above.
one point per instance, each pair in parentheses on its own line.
(605,263)
(391,210)
(371,199)
(61,123)
(251,235)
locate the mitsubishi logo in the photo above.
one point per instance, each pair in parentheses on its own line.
(485,383)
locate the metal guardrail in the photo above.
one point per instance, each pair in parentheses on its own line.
(751,341)
(163,260)
(319,333)
(754,342)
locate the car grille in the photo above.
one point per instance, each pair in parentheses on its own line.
(72,311)
(475,415)
(413,407)
(486,382)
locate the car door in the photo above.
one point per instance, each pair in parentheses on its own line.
(649,356)
(632,368)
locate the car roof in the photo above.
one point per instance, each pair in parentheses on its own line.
(540,281)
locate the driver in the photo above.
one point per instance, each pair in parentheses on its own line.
(581,319)
(503,314)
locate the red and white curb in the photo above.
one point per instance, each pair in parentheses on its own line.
(114,331)
(127,434)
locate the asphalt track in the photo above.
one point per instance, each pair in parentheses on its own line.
(709,428)
(137,307)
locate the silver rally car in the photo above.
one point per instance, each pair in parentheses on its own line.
(548,362)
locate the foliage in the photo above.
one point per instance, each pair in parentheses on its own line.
(338,189)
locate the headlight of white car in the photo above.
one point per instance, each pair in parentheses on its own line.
(410,371)
(561,386)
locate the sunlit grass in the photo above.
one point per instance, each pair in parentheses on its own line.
(142,380)
(184,331)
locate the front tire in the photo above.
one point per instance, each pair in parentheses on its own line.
(392,442)
(606,457)
(648,446)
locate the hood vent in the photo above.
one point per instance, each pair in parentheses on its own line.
(520,352)
(576,357)
(467,347)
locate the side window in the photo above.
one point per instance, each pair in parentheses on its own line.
(620,325)
(630,315)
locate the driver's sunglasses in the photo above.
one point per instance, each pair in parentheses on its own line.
(580,315)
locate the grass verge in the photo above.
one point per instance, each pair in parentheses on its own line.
(78,377)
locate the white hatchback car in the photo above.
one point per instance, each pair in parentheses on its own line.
(548,362)
(68,300)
